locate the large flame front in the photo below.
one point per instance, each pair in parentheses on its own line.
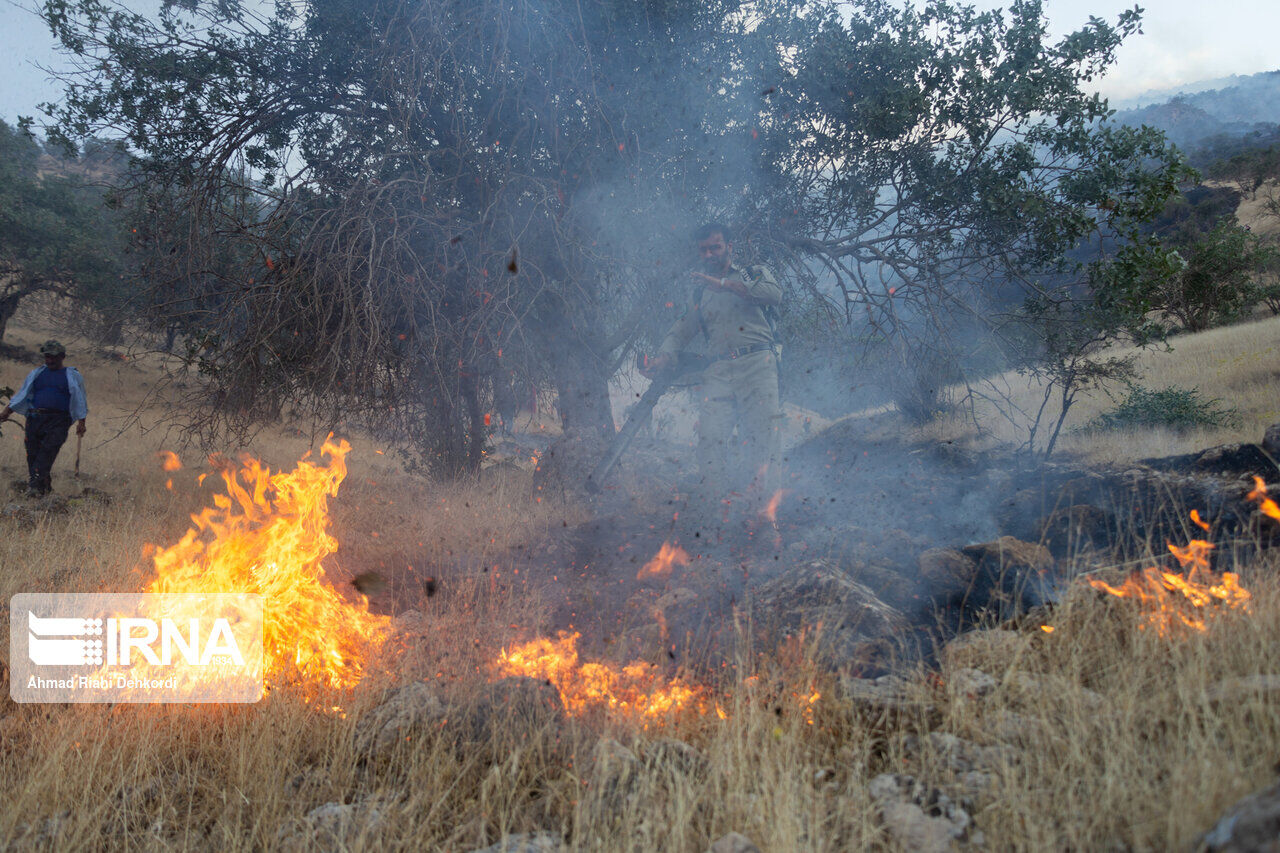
(268,535)
(636,689)
(1169,599)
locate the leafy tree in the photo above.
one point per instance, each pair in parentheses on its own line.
(408,198)
(55,233)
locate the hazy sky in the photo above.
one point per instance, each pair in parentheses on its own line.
(1183,41)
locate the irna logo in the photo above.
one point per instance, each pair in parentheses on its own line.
(135,647)
(71,641)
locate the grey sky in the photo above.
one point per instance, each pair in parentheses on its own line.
(1183,41)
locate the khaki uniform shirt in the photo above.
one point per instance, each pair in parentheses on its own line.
(731,322)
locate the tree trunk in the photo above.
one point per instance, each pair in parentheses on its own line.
(580,374)
(8,306)
(470,389)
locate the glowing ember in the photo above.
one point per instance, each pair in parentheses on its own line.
(635,689)
(169,461)
(1168,599)
(1048,629)
(660,566)
(268,535)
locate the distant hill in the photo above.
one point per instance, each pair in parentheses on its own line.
(1247,105)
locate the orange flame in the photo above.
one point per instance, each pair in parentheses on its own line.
(169,460)
(660,566)
(1168,599)
(770,511)
(268,535)
(635,689)
(1265,504)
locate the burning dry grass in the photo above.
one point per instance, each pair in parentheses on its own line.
(1117,737)
(1122,738)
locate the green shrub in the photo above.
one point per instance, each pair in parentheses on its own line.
(1171,407)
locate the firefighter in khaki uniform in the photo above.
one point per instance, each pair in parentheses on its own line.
(734,309)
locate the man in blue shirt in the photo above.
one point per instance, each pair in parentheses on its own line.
(51,397)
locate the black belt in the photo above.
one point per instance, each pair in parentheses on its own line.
(50,412)
(741,351)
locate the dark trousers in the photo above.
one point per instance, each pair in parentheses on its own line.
(46,433)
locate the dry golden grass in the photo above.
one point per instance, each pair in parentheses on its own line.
(1119,747)
(1237,365)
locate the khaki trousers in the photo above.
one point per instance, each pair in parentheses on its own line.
(741,392)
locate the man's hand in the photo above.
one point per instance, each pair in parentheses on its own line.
(80,427)
(653,366)
(727,285)
(4,416)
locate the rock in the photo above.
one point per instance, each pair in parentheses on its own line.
(1271,441)
(20,515)
(526,842)
(920,817)
(403,712)
(1253,824)
(614,771)
(992,649)
(41,836)
(1021,730)
(947,570)
(1234,460)
(516,704)
(676,755)
(1070,528)
(819,593)
(886,695)
(52,504)
(335,826)
(972,683)
(957,754)
(734,842)
(1236,689)
(1012,577)
(1006,554)
(92,495)
(411,623)
(1036,691)
(1018,514)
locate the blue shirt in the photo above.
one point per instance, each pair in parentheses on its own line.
(23,401)
(50,390)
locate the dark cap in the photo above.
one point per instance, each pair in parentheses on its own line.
(52,347)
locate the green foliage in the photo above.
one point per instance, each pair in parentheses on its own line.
(1193,281)
(55,231)
(928,161)
(1171,407)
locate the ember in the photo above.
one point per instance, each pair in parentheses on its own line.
(1168,599)
(660,566)
(635,689)
(268,535)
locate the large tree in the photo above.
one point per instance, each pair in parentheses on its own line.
(56,234)
(412,200)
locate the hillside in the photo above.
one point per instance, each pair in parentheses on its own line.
(1234,109)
